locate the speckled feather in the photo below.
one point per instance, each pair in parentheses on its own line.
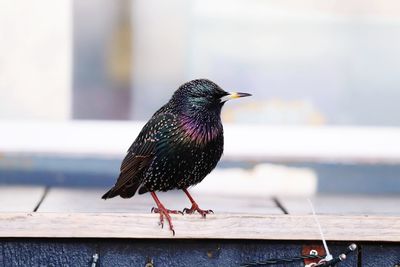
(178,146)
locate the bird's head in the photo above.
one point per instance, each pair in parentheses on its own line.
(202,96)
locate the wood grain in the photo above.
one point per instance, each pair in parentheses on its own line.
(80,213)
(344,205)
(220,226)
(19,198)
(89,200)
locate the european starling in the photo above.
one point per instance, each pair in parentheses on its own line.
(177,147)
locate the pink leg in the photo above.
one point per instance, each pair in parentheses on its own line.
(195,207)
(163,212)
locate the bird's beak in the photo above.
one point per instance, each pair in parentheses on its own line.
(233,95)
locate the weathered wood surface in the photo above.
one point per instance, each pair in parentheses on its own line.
(19,198)
(344,205)
(221,226)
(89,200)
(82,213)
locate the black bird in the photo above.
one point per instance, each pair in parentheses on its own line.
(177,147)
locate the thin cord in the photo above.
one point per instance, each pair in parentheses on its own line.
(328,254)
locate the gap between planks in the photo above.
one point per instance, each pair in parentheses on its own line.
(45,192)
(89,200)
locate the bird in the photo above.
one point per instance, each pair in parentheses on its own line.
(177,148)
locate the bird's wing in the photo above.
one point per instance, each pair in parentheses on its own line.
(153,136)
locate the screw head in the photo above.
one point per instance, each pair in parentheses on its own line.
(342,257)
(353,247)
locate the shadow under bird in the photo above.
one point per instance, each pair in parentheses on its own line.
(177,148)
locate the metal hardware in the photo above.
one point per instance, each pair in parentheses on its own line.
(95,258)
(149,262)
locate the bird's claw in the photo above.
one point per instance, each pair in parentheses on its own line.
(194,208)
(156,210)
(165,212)
(205,212)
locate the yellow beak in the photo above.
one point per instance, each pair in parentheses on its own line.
(233,95)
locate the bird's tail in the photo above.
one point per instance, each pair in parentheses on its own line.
(110,194)
(124,190)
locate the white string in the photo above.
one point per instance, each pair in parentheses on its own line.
(328,256)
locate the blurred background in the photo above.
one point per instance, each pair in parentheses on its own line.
(79,78)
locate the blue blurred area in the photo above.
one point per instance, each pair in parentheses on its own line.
(102,172)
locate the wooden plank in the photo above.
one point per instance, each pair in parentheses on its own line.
(89,200)
(344,204)
(20,198)
(219,226)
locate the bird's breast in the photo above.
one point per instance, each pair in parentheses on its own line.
(201,132)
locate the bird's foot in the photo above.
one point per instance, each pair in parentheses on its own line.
(194,208)
(165,213)
(157,210)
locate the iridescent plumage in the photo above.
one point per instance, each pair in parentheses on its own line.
(178,146)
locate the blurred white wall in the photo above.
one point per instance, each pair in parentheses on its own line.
(307,62)
(160,55)
(35,59)
(102,47)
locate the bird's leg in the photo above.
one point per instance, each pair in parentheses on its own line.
(195,207)
(163,212)
(157,210)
